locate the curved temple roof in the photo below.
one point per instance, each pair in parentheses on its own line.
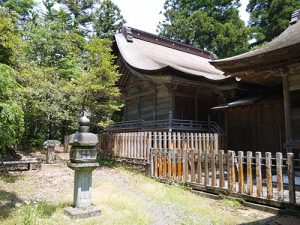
(150,57)
(280,45)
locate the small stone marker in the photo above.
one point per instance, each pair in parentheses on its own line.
(83,160)
(50,146)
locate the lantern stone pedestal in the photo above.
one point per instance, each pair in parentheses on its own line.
(82,204)
(83,156)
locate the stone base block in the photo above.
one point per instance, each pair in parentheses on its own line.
(77,213)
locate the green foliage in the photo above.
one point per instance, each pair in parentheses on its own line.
(24,8)
(95,88)
(107,19)
(212,25)
(81,10)
(270,18)
(60,69)
(11,114)
(10,40)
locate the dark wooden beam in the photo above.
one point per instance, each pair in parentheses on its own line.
(287,108)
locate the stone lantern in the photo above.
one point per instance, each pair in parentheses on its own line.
(83,160)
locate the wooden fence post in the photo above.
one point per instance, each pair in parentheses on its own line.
(174,167)
(152,162)
(192,166)
(213,168)
(241,171)
(139,146)
(206,172)
(291,177)
(269,175)
(123,145)
(170,164)
(192,146)
(199,167)
(185,164)
(165,140)
(165,152)
(216,142)
(156,162)
(115,144)
(178,141)
(279,176)
(221,169)
(179,165)
(249,173)
(149,145)
(196,143)
(258,175)
(174,140)
(135,145)
(231,179)
(160,155)
(200,142)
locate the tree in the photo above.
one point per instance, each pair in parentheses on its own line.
(270,18)
(107,19)
(11,42)
(58,70)
(81,11)
(95,91)
(24,8)
(11,113)
(212,25)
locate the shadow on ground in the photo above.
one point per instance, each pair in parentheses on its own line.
(276,220)
(7,203)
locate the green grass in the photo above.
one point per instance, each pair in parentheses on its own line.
(232,202)
(34,213)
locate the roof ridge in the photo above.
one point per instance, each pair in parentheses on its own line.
(130,33)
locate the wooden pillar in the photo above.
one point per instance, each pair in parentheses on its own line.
(196,106)
(154,102)
(125,106)
(171,90)
(140,100)
(287,108)
(226,131)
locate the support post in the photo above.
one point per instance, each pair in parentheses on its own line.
(287,109)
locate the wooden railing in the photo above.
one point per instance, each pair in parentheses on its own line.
(173,124)
(255,178)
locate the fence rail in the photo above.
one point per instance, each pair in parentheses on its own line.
(261,179)
(174,124)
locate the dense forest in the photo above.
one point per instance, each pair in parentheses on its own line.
(56,59)
(55,63)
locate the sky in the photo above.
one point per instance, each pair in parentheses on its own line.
(144,14)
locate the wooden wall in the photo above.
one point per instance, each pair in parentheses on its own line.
(163,103)
(255,128)
(153,101)
(294,88)
(146,100)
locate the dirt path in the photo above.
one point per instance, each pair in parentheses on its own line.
(125,197)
